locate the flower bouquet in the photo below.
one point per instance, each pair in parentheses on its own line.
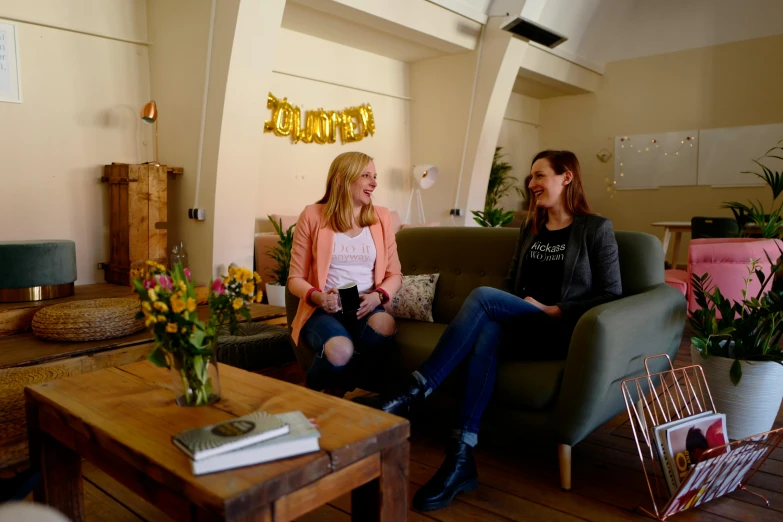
(183,342)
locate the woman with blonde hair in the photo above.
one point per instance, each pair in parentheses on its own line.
(342,239)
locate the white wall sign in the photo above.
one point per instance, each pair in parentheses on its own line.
(648,161)
(10,83)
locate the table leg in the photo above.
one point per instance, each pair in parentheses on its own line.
(61,470)
(676,253)
(667,236)
(385,499)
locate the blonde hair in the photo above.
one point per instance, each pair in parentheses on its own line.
(338,200)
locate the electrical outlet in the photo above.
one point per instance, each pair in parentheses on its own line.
(201,214)
(455,212)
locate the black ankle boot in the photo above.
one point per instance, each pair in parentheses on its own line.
(399,402)
(455,475)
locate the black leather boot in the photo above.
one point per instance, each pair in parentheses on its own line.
(397,403)
(455,475)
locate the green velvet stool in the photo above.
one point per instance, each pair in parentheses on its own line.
(36,270)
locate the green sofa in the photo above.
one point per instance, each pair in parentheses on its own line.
(559,400)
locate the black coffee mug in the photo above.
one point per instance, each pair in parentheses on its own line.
(349,297)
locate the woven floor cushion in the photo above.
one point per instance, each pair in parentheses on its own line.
(88,320)
(259,346)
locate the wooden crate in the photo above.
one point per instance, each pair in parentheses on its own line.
(138,227)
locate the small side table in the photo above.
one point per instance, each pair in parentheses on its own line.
(676,228)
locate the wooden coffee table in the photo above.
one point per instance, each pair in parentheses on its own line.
(122,420)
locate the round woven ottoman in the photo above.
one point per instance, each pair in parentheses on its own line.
(258,346)
(36,270)
(88,320)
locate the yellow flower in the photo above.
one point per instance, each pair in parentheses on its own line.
(161,318)
(177,304)
(245,274)
(182,286)
(171,328)
(150,321)
(152,294)
(259,296)
(146,306)
(160,306)
(237,303)
(232,270)
(183,331)
(191,304)
(151,263)
(248,288)
(256,277)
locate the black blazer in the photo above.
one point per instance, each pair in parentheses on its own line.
(591,271)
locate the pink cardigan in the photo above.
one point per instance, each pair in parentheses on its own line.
(311,255)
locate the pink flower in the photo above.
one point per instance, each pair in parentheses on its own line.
(187,273)
(149,283)
(165,282)
(217,286)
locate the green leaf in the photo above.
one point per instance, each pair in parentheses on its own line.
(736,372)
(158,358)
(197,339)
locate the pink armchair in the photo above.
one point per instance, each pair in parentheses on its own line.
(726,260)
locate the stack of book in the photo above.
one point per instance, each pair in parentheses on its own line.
(244,441)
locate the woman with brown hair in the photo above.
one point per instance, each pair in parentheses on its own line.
(344,239)
(565,263)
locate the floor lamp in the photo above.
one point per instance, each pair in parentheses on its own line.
(424,176)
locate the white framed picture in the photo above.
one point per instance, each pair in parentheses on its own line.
(10,82)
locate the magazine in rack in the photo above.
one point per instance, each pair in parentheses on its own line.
(665,409)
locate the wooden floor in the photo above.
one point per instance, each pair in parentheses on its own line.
(519,484)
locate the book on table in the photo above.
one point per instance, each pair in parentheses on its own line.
(208,441)
(302,438)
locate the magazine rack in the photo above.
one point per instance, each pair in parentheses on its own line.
(658,398)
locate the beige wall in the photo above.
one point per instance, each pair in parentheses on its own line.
(721,86)
(294,175)
(81,100)
(520,142)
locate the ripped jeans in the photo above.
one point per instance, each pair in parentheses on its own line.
(369,347)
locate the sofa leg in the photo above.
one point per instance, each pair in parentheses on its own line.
(564,454)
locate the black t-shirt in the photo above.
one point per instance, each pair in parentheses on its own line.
(543,265)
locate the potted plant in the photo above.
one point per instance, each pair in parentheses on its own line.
(500,183)
(737,345)
(275,290)
(183,342)
(768,225)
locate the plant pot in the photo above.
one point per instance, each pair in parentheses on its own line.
(752,405)
(275,294)
(195,378)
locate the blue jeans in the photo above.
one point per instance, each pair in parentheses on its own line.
(488,319)
(368,348)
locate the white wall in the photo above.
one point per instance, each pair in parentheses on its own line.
(294,175)
(519,139)
(81,101)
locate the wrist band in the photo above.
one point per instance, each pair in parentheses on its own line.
(309,294)
(384,295)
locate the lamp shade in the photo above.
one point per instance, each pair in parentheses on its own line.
(149,112)
(425,175)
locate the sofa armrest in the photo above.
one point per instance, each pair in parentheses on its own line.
(609,345)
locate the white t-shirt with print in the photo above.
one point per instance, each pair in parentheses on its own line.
(353,259)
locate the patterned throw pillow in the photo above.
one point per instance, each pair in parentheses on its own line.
(414,299)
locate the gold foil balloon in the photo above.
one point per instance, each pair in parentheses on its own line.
(320,126)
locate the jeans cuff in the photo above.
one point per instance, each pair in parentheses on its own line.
(423,382)
(462,435)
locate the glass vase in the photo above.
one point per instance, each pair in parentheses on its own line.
(195,378)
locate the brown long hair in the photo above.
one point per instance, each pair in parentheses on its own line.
(575,198)
(338,200)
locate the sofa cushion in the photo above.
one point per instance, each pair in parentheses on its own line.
(415,341)
(528,385)
(414,298)
(465,258)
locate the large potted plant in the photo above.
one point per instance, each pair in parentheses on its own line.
(500,183)
(737,345)
(275,290)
